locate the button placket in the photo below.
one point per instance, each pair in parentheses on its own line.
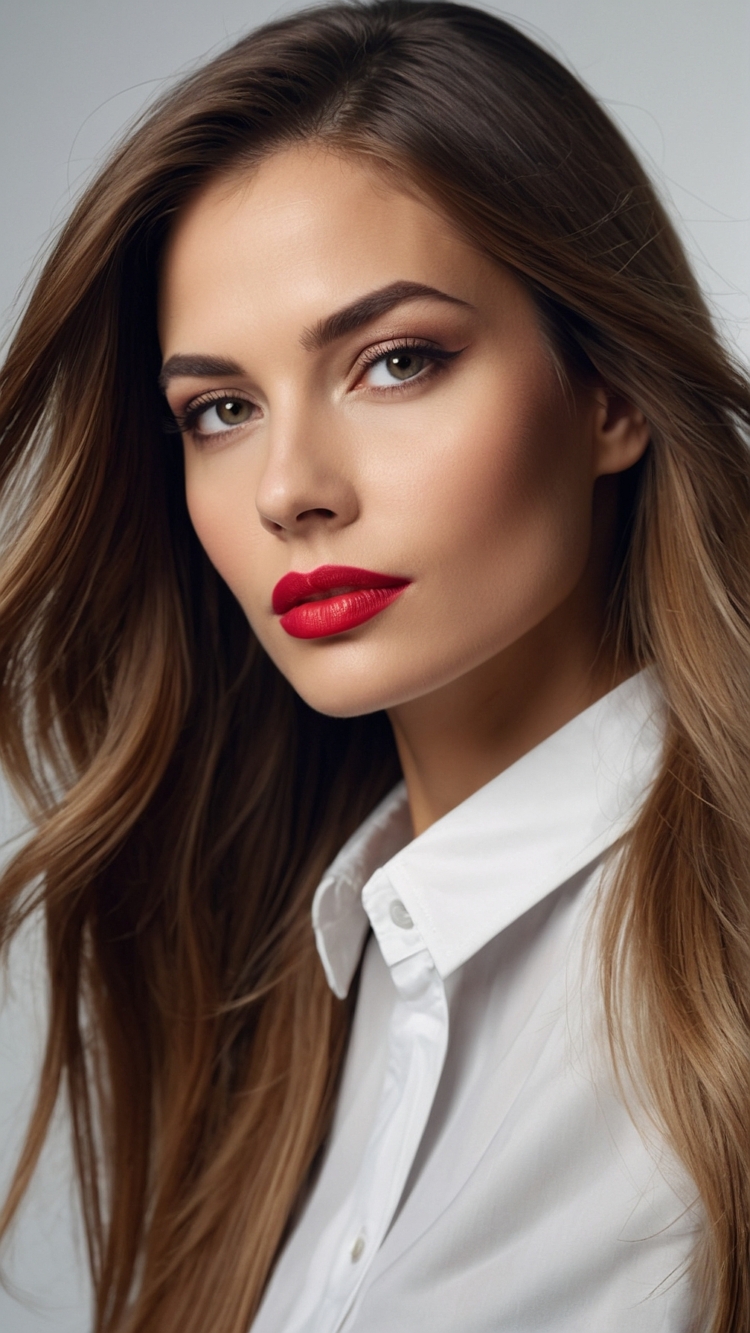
(417,1043)
(419,1039)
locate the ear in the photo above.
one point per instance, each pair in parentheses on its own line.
(621,432)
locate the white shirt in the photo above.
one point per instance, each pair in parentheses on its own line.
(483,1175)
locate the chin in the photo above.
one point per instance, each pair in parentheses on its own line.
(346,693)
(348,678)
(337,678)
(338,702)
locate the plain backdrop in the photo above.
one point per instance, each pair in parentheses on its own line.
(675,74)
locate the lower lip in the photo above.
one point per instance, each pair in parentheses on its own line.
(334,615)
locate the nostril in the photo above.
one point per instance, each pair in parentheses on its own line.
(271,525)
(315,513)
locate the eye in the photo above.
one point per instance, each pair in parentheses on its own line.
(217,416)
(222,413)
(404,363)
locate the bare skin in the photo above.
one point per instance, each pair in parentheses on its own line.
(464,466)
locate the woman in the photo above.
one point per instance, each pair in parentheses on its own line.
(462,496)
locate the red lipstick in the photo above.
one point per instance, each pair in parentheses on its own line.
(332,599)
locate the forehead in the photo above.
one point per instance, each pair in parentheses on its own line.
(305,231)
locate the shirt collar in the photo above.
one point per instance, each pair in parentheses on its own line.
(492,858)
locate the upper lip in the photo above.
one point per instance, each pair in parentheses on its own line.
(295,587)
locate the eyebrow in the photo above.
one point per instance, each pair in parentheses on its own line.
(328,330)
(198,367)
(369,307)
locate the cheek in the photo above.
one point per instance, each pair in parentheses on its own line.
(224,519)
(510,482)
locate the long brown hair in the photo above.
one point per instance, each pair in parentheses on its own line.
(185,801)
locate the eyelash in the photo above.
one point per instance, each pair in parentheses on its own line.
(438,355)
(184,423)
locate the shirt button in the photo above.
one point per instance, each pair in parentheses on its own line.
(358,1249)
(399,915)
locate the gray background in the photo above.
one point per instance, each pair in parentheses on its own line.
(674,73)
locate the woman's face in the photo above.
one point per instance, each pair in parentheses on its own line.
(367,400)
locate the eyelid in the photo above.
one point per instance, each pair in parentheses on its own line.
(189,414)
(378,351)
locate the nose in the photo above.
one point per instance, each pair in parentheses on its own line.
(304,484)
